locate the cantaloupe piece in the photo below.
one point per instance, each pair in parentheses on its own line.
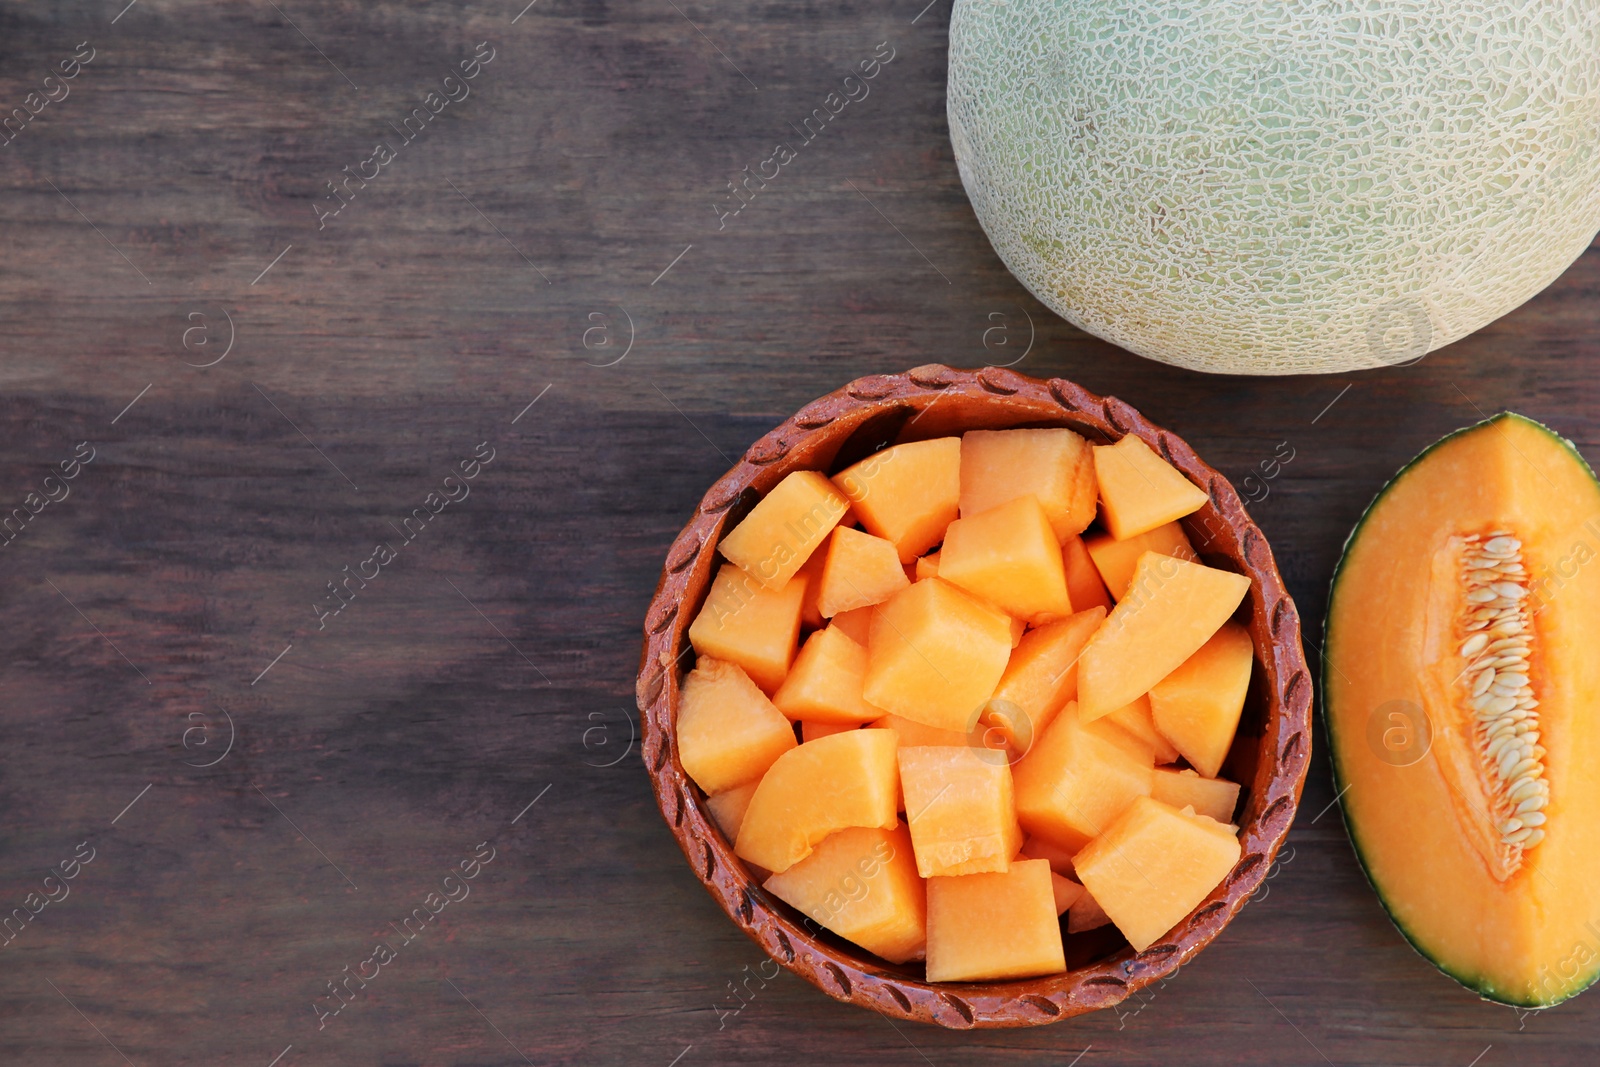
(910,732)
(996,925)
(824,684)
(1139,490)
(1066,890)
(746,623)
(810,731)
(1115,560)
(935,655)
(1009,557)
(1197,706)
(1153,866)
(810,615)
(862,884)
(860,570)
(727,807)
(849,779)
(780,533)
(1211,797)
(1172,608)
(728,731)
(1078,778)
(857,624)
(1086,914)
(1040,677)
(1059,857)
(961,810)
(927,566)
(907,493)
(1055,466)
(1137,721)
(1085,588)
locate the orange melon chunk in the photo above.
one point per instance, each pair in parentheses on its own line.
(907,493)
(1139,490)
(913,733)
(1212,797)
(1085,588)
(1053,465)
(1154,866)
(857,623)
(746,623)
(779,534)
(860,570)
(810,614)
(1078,778)
(1009,557)
(727,807)
(728,731)
(1115,560)
(1172,608)
(927,566)
(1066,890)
(960,808)
(935,655)
(1040,677)
(862,884)
(1058,856)
(1000,924)
(1137,722)
(1086,914)
(1197,706)
(849,779)
(810,731)
(824,685)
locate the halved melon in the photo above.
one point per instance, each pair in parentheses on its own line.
(1460,686)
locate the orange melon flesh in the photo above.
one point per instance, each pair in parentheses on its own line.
(911,733)
(1059,857)
(728,806)
(779,534)
(746,623)
(1530,938)
(994,925)
(1137,721)
(935,655)
(1153,866)
(961,810)
(728,731)
(907,493)
(860,570)
(1085,588)
(1078,778)
(1172,608)
(926,567)
(1040,677)
(1139,490)
(1115,560)
(1086,914)
(824,685)
(1053,465)
(1211,797)
(810,615)
(857,623)
(1197,706)
(1009,557)
(810,731)
(848,779)
(862,884)
(1066,891)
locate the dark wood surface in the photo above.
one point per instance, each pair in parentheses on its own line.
(491,662)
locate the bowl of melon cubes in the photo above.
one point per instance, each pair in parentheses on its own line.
(975,699)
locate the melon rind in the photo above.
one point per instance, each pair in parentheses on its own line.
(1280,188)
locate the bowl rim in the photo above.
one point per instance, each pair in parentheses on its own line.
(1282,758)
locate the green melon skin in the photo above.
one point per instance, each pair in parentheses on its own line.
(1280,188)
(1484,985)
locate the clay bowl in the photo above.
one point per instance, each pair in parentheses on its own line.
(1269,755)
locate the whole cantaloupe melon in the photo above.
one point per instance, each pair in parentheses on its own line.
(1280,188)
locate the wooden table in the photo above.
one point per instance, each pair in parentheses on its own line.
(545,273)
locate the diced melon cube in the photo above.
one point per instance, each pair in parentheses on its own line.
(779,534)
(849,779)
(1078,778)
(728,731)
(911,733)
(1053,465)
(857,623)
(1197,706)
(1172,608)
(1009,557)
(1085,588)
(824,685)
(746,623)
(1154,866)
(1212,797)
(1115,560)
(861,570)
(935,655)
(810,731)
(727,807)
(810,615)
(1086,914)
(907,493)
(1135,720)
(1066,890)
(1000,924)
(862,884)
(1139,490)
(960,808)
(1040,677)
(927,566)
(1042,848)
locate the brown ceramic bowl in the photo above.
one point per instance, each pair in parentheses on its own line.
(1268,757)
